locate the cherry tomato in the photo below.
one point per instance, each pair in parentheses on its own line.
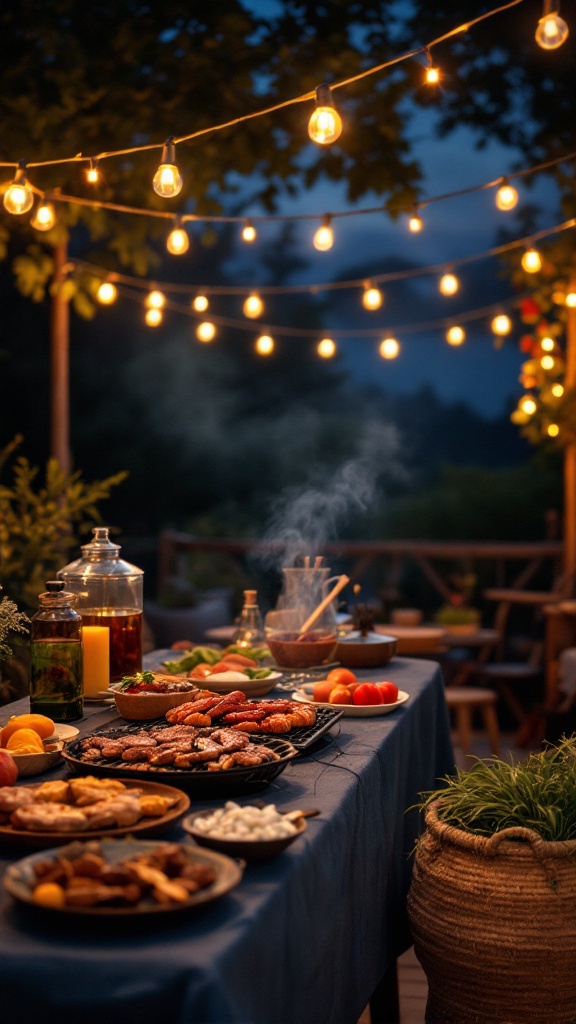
(341,677)
(340,695)
(367,693)
(389,692)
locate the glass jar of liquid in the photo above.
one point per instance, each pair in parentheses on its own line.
(56,656)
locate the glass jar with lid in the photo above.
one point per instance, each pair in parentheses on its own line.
(109,592)
(56,656)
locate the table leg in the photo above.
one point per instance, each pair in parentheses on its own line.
(385,1004)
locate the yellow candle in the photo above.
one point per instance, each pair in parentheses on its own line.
(96,653)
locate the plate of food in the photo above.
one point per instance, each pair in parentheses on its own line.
(121,877)
(304,694)
(35,742)
(251,832)
(86,807)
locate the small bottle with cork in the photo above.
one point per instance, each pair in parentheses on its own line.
(56,656)
(250,631)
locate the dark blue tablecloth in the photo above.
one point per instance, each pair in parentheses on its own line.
(304,939)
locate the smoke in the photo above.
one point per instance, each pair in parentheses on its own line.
(304,518)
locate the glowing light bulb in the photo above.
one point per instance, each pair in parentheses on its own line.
(389,348)
(249,233)
(506,196)
(432,76)
(19,197)
(107,293)
(325,124)
(547,362)
(178,241)
(557,390)
(528,405)
(264,345)
(326,348)
(531,261)
(153,317)
(455,335)
(449,284)
(92,173)
(547,344)
(551,30)
(501,325)
(253,307)
(415,223)
(45,216)
(570,300)
(553,430)
(324,237)
(206,331)
(155,300)
(167,181)
(200,303)
(372,297)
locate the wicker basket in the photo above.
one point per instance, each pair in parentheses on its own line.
(494,925)
(140,707)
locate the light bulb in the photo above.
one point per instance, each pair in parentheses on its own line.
(557,390)
(449,284)
(167,181)
(551,30)
(506,196)
(249,233)
(178,241)
(19,197)
(155,300)
(547,362)
(553,430)
(547,344)
(200,303)
(206,331)
(570,300)
(45,216)
(325,124)
(107,293)
(415,223)
(528,405)
(324,237)
(432,76)
(92,173)
(253,306)
(531,261)
(153,317)
(501,325)
(264,345)
(455,335)
(326,348)
(372,297)
(389,348)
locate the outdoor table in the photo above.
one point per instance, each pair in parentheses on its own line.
(305,938)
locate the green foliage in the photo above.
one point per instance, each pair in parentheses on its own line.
(39,524)
(11,621)
(539,794)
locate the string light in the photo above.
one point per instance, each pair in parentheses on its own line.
(455,335)
(389,348)
(92,172)
(326,348)
(547,362)
(547,344)
(44,216)
(253,306)
(552,30)
(372,297)
(324,237)
(178,241)
(19,197)
(200,303)
(167,181)
(249,233)
(501,325)
(153,316)
(506,196)
(107,293)
(531,261)
(557,390)
(206,331)
(264,345)
(528,405)
(325,124)
(449,284)
(570,300)
(553,430)
(431,74)
(415,223)
(155,299)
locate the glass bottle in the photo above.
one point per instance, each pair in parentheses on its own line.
(109,593)
(56,656)
(250,632)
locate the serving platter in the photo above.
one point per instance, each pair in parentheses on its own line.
(19,878)
(303,695)
(251,687)
(144,827)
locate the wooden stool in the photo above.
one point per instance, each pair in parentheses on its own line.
(463,700)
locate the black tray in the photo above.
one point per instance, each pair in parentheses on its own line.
(306,735)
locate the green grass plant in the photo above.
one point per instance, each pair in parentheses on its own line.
(539,793)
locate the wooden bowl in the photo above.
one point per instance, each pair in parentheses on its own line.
(248,849)
(371,651)
(141,707)
(35,764)
(290,652)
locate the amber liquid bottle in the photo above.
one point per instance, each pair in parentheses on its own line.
(56,656)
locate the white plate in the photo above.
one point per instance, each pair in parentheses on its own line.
(64,732)
(252,687)
(351,710)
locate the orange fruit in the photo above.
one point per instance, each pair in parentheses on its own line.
(24,738)
(322,690)
(342,677)
(49,894)
(41,724)
(340,695)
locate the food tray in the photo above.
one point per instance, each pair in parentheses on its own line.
(306,735)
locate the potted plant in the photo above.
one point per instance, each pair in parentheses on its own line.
(492,902)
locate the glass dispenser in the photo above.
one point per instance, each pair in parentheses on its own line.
(109,593)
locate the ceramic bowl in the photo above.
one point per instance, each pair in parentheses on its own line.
(140,707)
(35,764)
(247,849)
(356,651)
(289,651)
